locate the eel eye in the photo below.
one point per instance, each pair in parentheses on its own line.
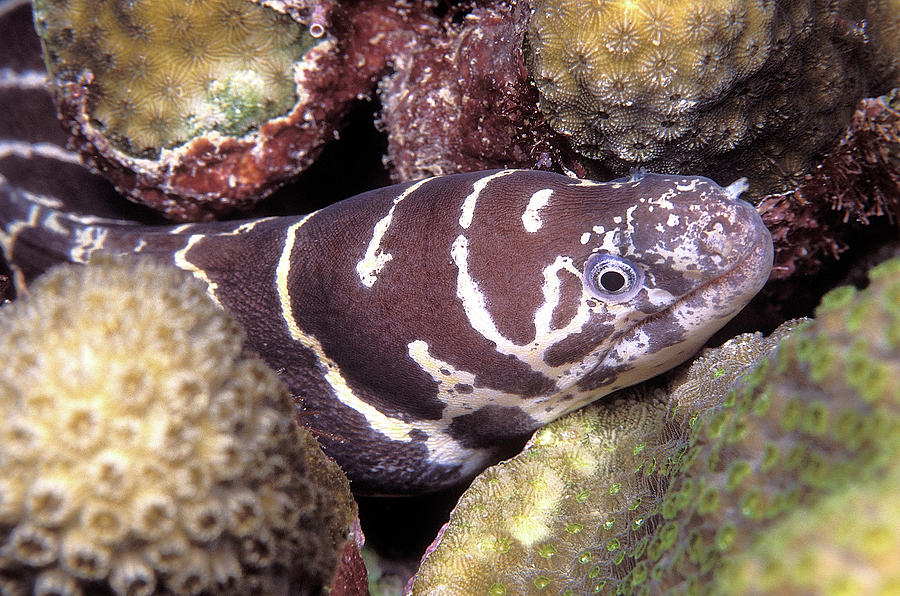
(612,279)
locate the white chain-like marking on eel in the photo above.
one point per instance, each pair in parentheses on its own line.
(421,327)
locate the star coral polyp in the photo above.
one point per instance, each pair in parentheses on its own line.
(166,72)
(681,86)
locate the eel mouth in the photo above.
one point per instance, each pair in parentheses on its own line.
(696,316)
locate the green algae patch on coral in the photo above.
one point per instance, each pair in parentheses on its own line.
(713,88)
(142,451)
(164,73)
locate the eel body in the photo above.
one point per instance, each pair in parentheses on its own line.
(424,326)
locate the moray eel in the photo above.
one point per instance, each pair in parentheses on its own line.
(423,327)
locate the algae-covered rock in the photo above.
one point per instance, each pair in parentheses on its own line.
(142,452)
(858,182)
(677,487)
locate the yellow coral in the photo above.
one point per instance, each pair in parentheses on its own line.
(165,72)
(675,85)
(544,528)
(140,448)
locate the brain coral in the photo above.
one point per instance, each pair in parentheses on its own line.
(166,72)
(695,86)
(141,452)
(650,493)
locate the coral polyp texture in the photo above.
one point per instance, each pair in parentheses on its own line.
(725,88)
(166,72)
(827,419)
(198,109)
(684,487)
(828,548)
(584,490)
(141,452)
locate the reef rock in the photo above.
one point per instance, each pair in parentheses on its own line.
(462,101)
(679,486)
(720,89)
(857,183)
(142,452)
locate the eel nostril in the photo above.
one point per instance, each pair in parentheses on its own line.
(718,244)
(717,241)
(724,234)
